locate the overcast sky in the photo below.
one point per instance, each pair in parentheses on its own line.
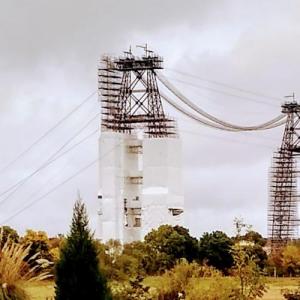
(49,52)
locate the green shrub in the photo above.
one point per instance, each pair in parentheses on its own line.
(215,288)
(134,289)
(186,279)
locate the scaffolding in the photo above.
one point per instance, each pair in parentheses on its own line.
(283,205)
(130,95)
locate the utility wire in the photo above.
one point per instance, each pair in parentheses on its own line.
(224,85)
(57,186)
(14,188)
(7,166)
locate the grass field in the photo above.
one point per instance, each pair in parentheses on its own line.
(40,291)
(45,290)
(275,285)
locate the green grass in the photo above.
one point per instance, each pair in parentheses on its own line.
(275,285)
(44,290)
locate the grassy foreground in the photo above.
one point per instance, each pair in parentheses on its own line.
(45,290)
(275,285)
(40,290)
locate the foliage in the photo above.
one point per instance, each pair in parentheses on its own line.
(39,246)
(167,244)
(14,271)
(134,289)
(215,250)
(291,259)
(215,288)
(141,253)
(291,295)
(285,261)
(8,233)
(259,255)
(254,237)
(275,264)
(55,243)
(183,278)
(253,242)
(116,264)
(77,272)
(248,273)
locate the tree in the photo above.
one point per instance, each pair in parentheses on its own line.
(39,243)
(77,271)
(215,250)
(8,232)
(259,255)
(117,263)
(166,245)
(275,264)
(255,237)
(140,252)
(291,260)
(246,270)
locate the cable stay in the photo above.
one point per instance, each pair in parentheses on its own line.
(29,148)
(53,157)
(56,187)
(217,123)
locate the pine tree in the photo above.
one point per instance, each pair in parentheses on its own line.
(77,271)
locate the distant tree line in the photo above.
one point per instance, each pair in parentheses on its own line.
(168,252)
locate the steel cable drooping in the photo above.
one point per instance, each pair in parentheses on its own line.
(210,124)
(219,124)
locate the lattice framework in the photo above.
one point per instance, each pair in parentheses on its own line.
(283,205)
(130,95)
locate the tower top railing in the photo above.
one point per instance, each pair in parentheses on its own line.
(290,107)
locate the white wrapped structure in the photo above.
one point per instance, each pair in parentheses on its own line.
(140,177)
(140,185)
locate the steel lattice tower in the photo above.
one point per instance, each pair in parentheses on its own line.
(140,174)
(282,212)
(130,95)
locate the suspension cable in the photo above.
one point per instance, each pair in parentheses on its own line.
(211,124)
(200,111)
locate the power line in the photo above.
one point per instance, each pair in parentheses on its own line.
(47,133)
(225,85)
(14,188)
(57,186)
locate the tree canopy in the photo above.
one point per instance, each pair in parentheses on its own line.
(167,244)
(215,250)
(77,271)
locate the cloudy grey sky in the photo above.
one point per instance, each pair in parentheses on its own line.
(49,51)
